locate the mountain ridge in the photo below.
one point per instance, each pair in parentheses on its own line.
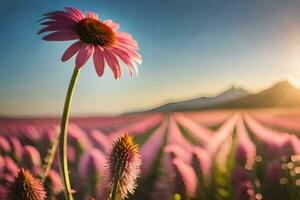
(200,102)
(280,94)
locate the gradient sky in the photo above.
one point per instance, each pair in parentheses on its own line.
(189,48)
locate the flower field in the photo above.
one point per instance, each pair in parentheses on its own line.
(219,154)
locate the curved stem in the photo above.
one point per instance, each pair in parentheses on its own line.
(63,138)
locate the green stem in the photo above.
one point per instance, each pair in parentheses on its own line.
(63,138)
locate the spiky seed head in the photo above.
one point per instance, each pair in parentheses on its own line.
(123,168)
(26,187)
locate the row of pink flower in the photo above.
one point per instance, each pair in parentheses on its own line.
(178,162)
(278,122)
(209,118)
(182,160)
(200,133)
(277,142)
(179,152)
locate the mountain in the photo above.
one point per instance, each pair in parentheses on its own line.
(203,102)
(282,94)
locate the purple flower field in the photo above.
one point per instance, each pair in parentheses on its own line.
(220,154)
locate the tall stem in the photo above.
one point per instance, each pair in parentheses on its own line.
(63,138)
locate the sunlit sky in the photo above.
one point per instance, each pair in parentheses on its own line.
(189,48)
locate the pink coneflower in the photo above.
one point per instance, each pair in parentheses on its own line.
(94,37)
(26,187)
(123,168)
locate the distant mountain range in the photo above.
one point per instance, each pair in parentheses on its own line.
(281,94)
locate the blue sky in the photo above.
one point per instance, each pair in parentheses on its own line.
(189,48)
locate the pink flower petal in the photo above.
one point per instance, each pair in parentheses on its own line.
(62,18)
(57,27)
(130,41)
(92,15)
(108,21)
(71,51)
(131,53)
(125,58)
(61,36)
(54,12)
(76,12)
(58,23)
(98,60)
(135,68)
(127,43)
(83,55)
(113,63)
(114,26)
(124,35)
